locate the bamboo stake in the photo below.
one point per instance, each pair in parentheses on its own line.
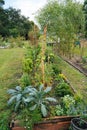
(43,53)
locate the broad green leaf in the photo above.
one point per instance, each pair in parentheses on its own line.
(33,107)
(29,99)
(27,89)
(43,110)
(48,89)
(33,90)
(11,91)
(18,88)
(17,105)
(23,100)
(51,99)
(10,101)
(19,96)
(41,87)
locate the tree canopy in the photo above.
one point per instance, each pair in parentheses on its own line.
(12,23)
(1,3)
(64,19)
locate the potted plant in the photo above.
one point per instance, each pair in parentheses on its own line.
(78,124)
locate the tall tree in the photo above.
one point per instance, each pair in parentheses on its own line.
(64,20)
(3,20)
(12,23)
(1,3)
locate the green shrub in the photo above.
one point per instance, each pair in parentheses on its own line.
(62,89)
(19,41)
(52,111)
(27,65)
(59,110)
(25,80)
(49,56)
(68,100)
(68,105)
(78,97)
(59,79)
(16,42)
(48,73)
(31,64)
(32,59)
(56,69)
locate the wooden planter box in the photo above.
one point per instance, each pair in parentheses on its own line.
(18,128)
(55,123)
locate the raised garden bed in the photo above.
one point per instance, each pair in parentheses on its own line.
(54,123)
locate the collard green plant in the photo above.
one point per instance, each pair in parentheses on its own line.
(18,96)
(39,99)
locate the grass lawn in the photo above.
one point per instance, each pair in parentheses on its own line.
(10,71)
(77,79)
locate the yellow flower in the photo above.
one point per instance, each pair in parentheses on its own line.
(63,76)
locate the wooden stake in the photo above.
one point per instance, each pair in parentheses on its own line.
(43,53)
